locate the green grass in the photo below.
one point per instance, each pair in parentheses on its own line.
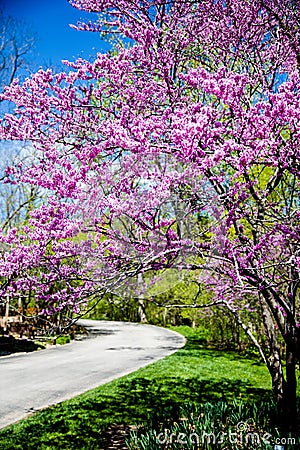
(193,374)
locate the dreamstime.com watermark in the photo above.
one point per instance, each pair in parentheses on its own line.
(242,435)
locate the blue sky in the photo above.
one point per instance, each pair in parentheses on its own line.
(49,20)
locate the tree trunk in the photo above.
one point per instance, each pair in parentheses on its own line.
(290,394)
(141,304)
(142,311)
(284,389)
(277,376)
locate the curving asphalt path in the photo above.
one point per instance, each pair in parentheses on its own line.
(36,380)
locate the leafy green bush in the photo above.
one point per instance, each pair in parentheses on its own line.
(64,339)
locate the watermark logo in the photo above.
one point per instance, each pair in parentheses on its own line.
(244,434)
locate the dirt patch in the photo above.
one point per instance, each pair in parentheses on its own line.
(9,344)
(12,343)
(115,436)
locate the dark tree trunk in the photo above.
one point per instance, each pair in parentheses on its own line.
(284,388)
(290,394)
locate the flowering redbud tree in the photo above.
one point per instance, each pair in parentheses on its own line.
(179,151)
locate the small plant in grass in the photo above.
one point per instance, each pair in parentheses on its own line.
(213,426)
(63,339)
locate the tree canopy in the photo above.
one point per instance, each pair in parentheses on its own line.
(178,151)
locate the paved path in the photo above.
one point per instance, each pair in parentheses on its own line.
(32,381)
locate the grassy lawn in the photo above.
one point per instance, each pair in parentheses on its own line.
(193,374)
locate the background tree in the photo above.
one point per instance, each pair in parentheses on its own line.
(179,153)
(16,199)
(16,44)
